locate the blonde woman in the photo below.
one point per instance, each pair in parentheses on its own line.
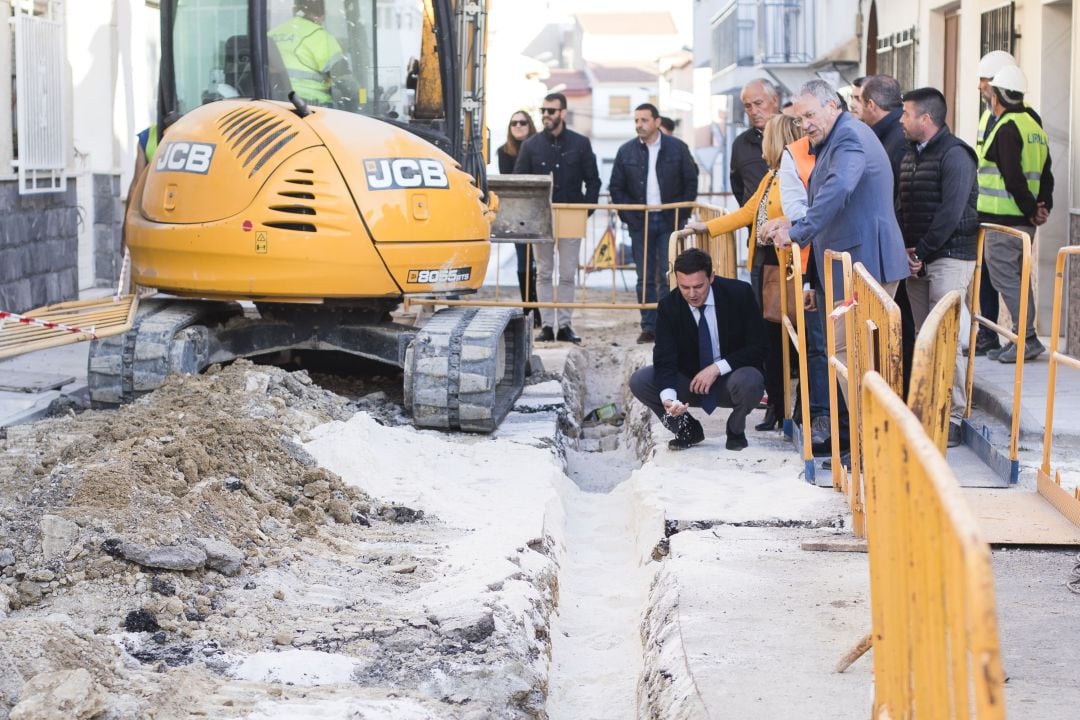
(763,205)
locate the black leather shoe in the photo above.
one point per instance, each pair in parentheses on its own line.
(567,334)
(820,434)
(736,441)
(770,422)
(645,338)
(688,431)
(983,345)
(956,435)
(545,335)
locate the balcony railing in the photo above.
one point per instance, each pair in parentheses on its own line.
(763,32)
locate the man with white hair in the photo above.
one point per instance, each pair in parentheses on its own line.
(849,203)
(760,101)
(1016,189)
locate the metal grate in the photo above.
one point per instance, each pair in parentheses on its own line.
(896,56)
(40,60)
(998,30)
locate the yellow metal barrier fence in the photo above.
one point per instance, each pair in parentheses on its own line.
(935,638)
(875,345)
(571,223)
(933,369)
(1049,482)
(791,272)
(1008,469)
(843,368)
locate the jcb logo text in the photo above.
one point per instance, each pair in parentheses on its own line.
(398,173)
(185,157)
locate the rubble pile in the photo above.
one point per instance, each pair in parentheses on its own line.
(152,557)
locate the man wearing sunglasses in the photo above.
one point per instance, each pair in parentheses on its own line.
(568,157)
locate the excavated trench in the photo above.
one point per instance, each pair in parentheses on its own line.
(605,573)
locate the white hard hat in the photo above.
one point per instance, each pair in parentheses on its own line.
(992,62)
(1011,78)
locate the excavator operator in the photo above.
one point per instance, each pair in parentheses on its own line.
(313,58)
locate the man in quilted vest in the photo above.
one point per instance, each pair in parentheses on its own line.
(936,208)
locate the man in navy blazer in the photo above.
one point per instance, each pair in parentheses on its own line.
(849,208)
(709,349)
(850,196)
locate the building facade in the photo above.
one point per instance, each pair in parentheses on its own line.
(82,78)
(929,42)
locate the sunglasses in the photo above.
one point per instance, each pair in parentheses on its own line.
(550,111)
(519,123)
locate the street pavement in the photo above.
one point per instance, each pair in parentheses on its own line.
(761,621)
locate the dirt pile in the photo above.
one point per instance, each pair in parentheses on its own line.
(162,546)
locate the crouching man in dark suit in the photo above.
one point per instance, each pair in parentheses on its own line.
(709,349)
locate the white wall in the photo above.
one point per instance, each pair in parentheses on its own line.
(613,49)
(6,71)
(608,133)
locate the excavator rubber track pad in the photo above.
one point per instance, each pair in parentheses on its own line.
(165,339)
(466,368)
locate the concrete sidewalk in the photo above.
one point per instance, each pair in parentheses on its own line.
(993,393)
(743,622)
(55,364)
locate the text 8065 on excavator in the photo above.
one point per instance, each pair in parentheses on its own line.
(319,171)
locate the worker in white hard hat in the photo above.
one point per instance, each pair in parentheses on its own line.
(1015,189)
(989,65)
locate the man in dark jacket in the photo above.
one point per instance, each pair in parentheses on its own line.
(881,110)
(652,169)
(936,207)
(568,157)
(708,353)
(880,98)
(760,101)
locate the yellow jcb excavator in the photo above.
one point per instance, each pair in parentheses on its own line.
(328,160)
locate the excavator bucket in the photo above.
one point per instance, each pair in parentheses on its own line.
(65,323)
(524,213)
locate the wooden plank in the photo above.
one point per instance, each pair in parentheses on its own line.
(108,316)
(1017,517)
(845,544)
(1061,499)
(32,382)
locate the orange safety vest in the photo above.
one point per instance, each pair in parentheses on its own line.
(804,164)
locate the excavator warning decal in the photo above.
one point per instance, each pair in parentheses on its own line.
(399,173)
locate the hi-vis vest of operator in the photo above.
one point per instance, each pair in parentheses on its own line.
(994,199)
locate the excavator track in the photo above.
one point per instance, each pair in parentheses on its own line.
(466,368)
(161,342)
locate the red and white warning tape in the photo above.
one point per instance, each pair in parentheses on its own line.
(23,320)
(843,308)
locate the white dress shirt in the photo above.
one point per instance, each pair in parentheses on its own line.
(652,183)
(710,320)
(792,190)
